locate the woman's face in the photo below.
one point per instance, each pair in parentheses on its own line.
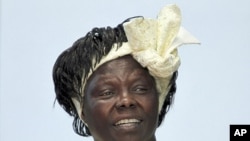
(121,102)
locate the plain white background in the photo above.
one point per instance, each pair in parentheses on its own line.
(213,82)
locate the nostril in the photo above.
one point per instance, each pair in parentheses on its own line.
(123,106)
(126,103)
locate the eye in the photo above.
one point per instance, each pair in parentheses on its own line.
(140,89)
(106,94)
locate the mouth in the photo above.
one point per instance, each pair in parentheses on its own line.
(128,123)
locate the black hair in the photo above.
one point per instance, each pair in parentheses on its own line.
(168,99)
(74,64)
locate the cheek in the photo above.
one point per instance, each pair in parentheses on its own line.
(96,113)
(151,105)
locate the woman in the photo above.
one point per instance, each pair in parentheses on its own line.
(118,83)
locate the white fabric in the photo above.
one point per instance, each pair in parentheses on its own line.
(153,43)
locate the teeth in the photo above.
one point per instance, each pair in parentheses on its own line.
(127,121)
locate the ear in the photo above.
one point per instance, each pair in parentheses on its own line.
(83,117)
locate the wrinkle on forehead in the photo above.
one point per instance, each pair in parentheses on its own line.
(120,63)
(120,70)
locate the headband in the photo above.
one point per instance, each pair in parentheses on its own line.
(153,43)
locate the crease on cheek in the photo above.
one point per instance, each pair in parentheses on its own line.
(95,109)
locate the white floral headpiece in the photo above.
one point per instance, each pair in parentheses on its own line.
(153,43)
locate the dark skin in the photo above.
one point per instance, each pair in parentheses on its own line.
(121,102)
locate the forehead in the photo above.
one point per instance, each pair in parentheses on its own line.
(122,66)
(121,63)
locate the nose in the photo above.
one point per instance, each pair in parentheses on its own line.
(125,100)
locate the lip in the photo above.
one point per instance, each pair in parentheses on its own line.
(127,123)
